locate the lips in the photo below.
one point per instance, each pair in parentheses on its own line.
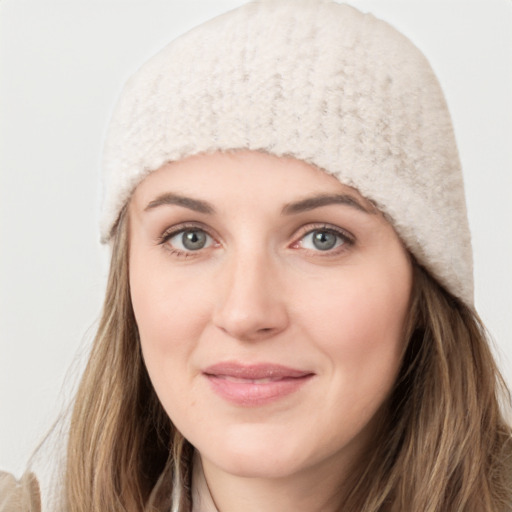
(254,385)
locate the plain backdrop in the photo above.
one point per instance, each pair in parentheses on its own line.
(62,65)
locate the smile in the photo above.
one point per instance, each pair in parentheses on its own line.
(254,385)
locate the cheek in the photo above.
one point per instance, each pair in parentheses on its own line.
(168,306)
(358,323)
(170,315)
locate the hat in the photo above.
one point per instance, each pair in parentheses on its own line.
(315,80)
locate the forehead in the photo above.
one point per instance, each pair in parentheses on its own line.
(242,175)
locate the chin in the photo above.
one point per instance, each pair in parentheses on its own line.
(256,456)
(255,465)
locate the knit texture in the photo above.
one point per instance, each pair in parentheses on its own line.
(315,80)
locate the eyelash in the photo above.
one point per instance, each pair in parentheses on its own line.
(347,240)
(176,230)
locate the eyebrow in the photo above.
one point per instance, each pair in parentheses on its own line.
(310,203)
(304,205)
(196,205)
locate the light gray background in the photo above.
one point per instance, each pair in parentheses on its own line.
(62,64)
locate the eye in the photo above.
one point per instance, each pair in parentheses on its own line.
(324,239)
(189,240)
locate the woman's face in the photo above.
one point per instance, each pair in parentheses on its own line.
(270,301)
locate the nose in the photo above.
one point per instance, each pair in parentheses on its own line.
(251,304)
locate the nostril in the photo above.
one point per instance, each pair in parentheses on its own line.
(249,308)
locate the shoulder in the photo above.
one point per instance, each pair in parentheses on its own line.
(19,495)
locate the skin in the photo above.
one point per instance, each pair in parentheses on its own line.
(260,290)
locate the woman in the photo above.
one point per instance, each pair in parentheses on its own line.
(289,319)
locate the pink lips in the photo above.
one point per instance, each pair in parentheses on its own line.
(254,385)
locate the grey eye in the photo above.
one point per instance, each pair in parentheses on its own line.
(189,240)
(194,240)
(322,240)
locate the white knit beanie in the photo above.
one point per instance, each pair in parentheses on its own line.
(315,80)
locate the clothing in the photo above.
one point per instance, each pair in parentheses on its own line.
(202,500)
(317,81)
(19,495)
(23,495)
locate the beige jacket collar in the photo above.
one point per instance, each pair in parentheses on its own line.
(202,500)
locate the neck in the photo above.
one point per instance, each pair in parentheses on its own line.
(311,490)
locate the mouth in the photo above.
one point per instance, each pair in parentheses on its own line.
(255,385)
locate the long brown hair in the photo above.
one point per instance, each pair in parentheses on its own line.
(120,437)
(443,445)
